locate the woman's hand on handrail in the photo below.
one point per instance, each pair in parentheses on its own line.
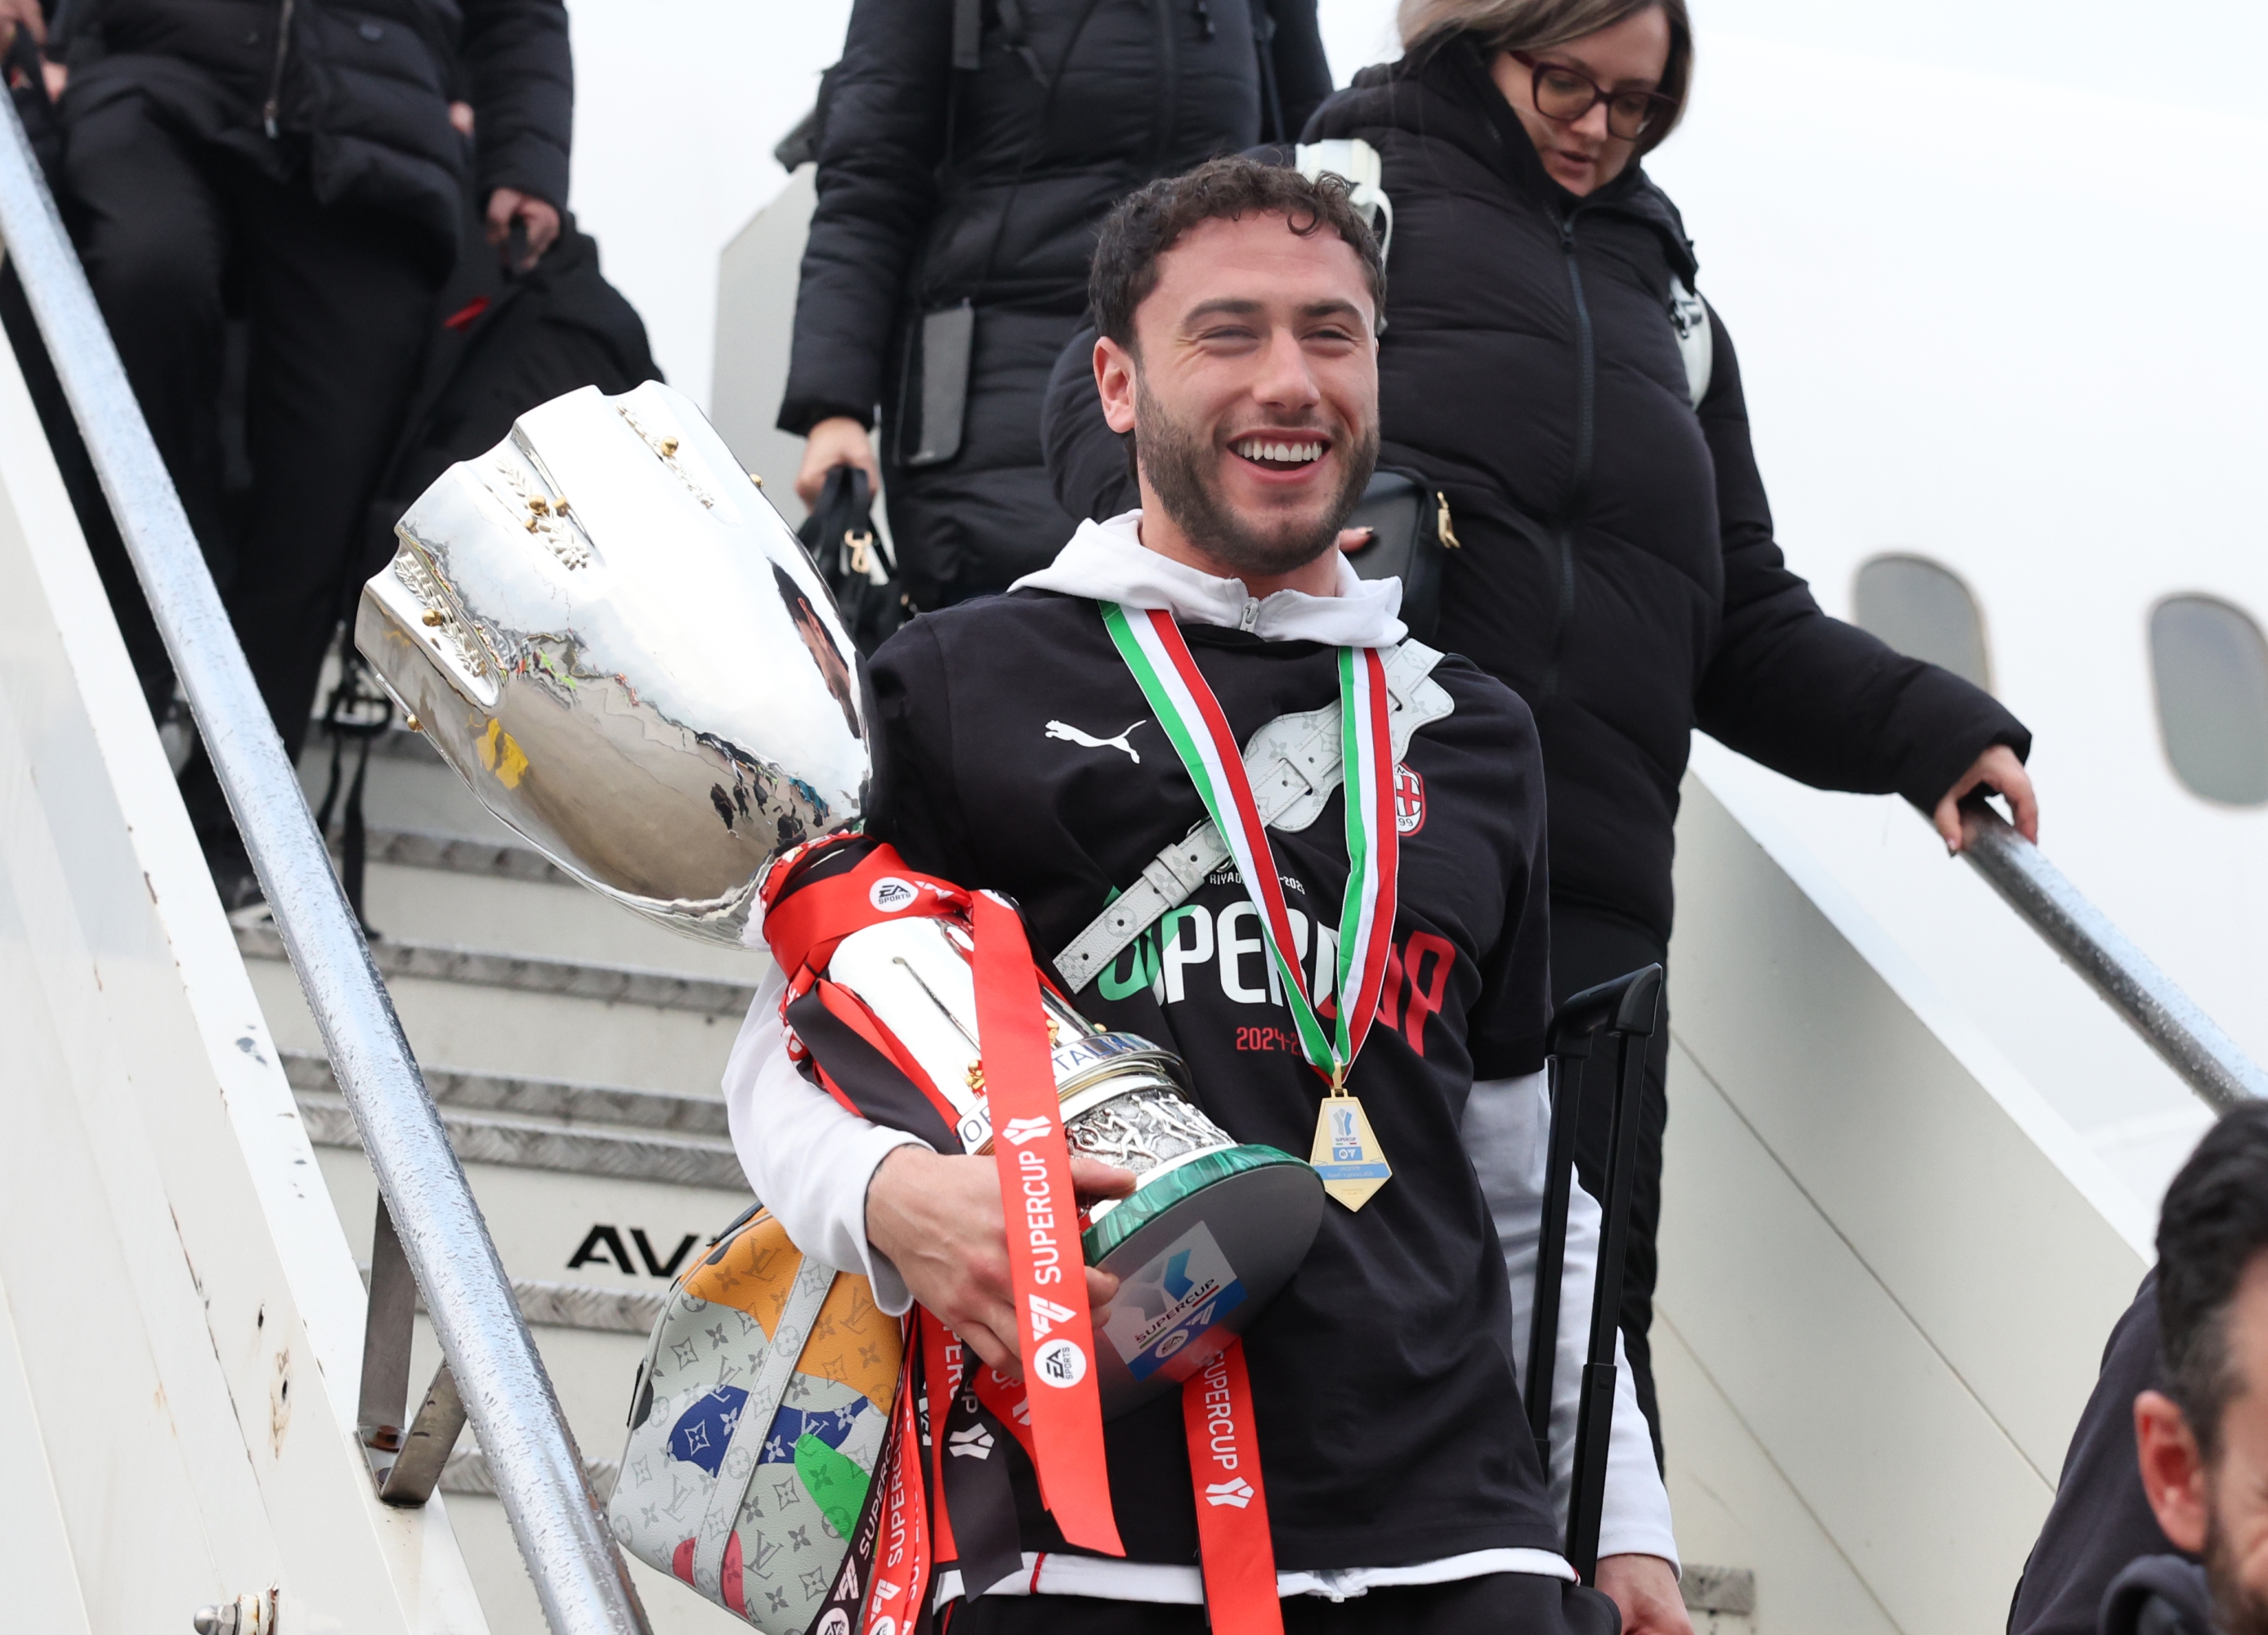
(1997,770)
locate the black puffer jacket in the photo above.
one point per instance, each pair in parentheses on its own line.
(938,185)
(1618,568)
(357,93)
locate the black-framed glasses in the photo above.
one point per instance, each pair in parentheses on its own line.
(1565,95)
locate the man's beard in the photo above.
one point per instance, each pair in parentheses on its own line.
(2236,1611)
(1180,462)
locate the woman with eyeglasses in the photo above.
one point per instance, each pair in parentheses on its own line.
(1548,364)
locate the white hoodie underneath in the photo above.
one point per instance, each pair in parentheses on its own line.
(811,1161)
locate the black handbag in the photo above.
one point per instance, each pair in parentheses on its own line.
(1411,533)
(857,564)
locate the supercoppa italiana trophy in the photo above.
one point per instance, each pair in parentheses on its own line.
(606,629)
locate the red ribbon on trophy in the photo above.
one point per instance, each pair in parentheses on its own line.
(1053,1411)
(815,898)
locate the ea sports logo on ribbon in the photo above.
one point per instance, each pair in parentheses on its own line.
(890,894)
(1059,1363)
(1236,1492)
(1022,1130)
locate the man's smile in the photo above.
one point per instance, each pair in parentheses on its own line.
(1279,453)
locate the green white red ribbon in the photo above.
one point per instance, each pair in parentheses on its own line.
(1154,650)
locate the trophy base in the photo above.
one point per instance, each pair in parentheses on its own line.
(1200,1247)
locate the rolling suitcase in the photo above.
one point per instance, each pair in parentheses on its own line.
(1625,1012)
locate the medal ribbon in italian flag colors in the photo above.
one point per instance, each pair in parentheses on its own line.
(1153,649)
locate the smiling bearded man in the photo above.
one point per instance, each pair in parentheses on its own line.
(1396,1486)
(1184,463)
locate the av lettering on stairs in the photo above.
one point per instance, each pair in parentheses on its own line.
(604,1245)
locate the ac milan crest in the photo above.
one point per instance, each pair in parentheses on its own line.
(1408,802)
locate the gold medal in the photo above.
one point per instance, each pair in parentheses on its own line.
(1346,1154)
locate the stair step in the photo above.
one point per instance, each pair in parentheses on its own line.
(586,1306)
(578,1306)
(531,1144)
(1729,1590)
(399,957)
(564,1099)
(431,849)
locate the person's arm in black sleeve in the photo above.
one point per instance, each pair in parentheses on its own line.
(1812,696)
(520,77)
(1087,462)
(882,140)
(1507,1031)
(913,805)
(1303,73)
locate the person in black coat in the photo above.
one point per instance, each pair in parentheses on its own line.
(307,167)
(2101,1522)
(1617,564)
(967,153)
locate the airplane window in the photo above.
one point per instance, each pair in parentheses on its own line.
(2212,670)
(1926,612)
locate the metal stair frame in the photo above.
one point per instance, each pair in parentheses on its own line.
(579,1577)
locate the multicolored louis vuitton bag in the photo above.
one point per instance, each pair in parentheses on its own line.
(758,1420)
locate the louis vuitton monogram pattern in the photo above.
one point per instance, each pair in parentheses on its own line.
(811,1464)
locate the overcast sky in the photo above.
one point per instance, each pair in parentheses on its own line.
(679,102)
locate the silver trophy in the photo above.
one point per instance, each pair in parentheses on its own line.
(606,629)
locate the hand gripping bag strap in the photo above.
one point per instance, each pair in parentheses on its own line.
(766,1391)
(1294,764)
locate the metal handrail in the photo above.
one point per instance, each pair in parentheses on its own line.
(2170,1022)
(578,1576)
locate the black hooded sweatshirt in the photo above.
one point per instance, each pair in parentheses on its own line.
(1617,567)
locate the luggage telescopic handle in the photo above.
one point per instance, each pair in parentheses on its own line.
(1627,1009)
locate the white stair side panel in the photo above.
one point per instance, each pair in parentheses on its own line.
(43,1584)
(1893,1259)
(1915,1486)
(186,1310)
(1731,1503)
(1983,961)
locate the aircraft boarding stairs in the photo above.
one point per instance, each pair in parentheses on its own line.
(1905,1208)
(575,1052)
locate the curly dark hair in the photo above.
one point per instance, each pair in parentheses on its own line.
(2213,1225)
(1151,219)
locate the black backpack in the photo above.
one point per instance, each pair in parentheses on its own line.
(500,344)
